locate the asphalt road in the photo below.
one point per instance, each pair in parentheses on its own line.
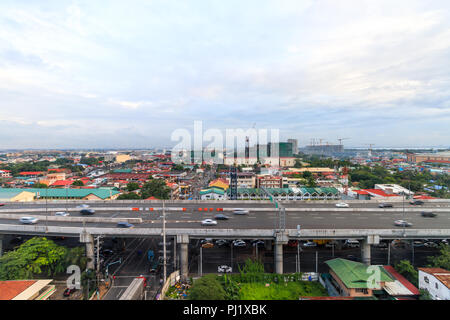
(342,219)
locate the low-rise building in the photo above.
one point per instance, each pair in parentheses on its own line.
(436,281)
(26,289)
(15,195)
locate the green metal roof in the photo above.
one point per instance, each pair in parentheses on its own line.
(212,190)
(102,193)
(354,274)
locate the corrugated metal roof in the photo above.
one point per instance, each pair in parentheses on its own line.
(354,274)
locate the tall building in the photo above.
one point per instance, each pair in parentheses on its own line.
(294,143)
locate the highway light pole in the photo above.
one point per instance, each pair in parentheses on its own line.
(46,209)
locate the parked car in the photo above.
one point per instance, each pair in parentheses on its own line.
(107,252)
(416,202)
(351,243)
(221,216)
(209,222)
(239,243)
(124,225)
(62,214)
(310,244)
(224,268)
(292,243)
(258,243)
(418,244)
(428,214)
(431,244)
(240,211)
(402,223)
(87,211)
(385,205)
(29,220)
(381,245)
(68,292)
(207,245)
(342,205)
(222,242)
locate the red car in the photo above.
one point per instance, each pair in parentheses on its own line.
(2,204)
(68,292)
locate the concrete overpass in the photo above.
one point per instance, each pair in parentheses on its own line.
(363,221)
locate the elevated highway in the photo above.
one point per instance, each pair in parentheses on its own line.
(363,221)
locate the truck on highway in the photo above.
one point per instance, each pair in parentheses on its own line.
(135,290)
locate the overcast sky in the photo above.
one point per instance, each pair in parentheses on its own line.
(128,73)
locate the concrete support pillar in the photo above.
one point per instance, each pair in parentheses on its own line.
(183,240)
(1,244)
(281,238)
(366,252)
(88,240)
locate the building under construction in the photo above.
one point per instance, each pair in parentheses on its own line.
(323,149)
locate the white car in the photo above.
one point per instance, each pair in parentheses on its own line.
(62,214)
(342,205)
(402,223)
(310,244)
(83,206)
(240,211)
(239,243)
(29,220)
(224,268)
(209,222)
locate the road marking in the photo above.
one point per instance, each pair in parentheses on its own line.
(319,218)
(363,218)
(340,217)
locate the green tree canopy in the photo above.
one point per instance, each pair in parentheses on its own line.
(155,188)
(36,256)
(131,186)
(442,260)
(406,269)
(78,183)
(207,288)
(129,196)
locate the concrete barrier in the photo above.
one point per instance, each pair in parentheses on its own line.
(73,219)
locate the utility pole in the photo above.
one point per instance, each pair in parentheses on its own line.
(317,260)
(389,254)
(200,265)
(164,241)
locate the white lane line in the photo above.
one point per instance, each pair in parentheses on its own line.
(363,218)
(319,218)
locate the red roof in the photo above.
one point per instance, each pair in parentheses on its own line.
(31,173)
(437,161)
(152,198)
(424,197)
(362,192)
(62,183)
(12,288)
(402,280)
(380,192)
(441,274)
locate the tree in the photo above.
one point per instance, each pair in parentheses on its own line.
(307,174)
(207,288)
(406,269)
(131,186)
(35,256)
(39,185)
(298,163)
(155,188)
(177,167)
(442,260)
(78,183)
(129,196)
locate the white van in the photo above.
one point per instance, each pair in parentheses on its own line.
(351,243)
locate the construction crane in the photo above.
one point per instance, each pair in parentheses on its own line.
(340,140)
(370,149)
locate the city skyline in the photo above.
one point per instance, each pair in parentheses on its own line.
(76,74)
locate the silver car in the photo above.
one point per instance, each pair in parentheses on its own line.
(240,211)
(29,220)
(62,214)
